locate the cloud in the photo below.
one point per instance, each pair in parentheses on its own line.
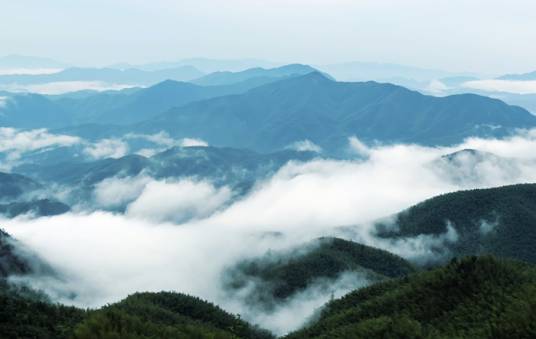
(305,146)
(436,87)
(178,201)
(182,235)
(163,141)
(61,87)
(107,148)
(358,147)
(14,143)
(3,101)
(115,192)
(507,86)
(29,71)
(190,142)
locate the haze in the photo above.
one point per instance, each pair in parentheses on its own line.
(472,36)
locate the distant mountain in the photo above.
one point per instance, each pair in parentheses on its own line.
(14,186)
(226,78)
(312,107)
(108,75)
(499,221)
(237,168)
(39,208)
(468,298)
(32,111)
(280,275)
(22,195)
(203,64)
(519,77)
(466,167)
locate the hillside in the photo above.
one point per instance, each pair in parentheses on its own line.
(499,221)
(471,298)
(326,112)
(26,314)
(280,275)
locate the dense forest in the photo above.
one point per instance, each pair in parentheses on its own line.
(475,297)
(498,221)
(280,275)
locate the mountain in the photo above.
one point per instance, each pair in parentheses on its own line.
(108,75)
(326,112)
(277,276)
(164,315)
(519,77)
(237,168)
(38,207)
(141,315)
(469,298)
(17,260)
(499,221)
(465,167)
(14,186)
(227,77)
(32,111)
(204,64)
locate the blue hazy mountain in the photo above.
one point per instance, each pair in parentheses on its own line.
(22,195)
(521,77)
(128,106)
(220,165)
(32,111)
(327,112)
(108,75)
(227,77)
(204,64)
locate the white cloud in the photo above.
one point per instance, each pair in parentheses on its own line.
(29,71)
(190,142)
(182,235)
(117,192)
(178,201)
(305,146)
(3,101)
(508,86)
(14,143)
(107,148)
(358,147)
(436,87)
(61,87)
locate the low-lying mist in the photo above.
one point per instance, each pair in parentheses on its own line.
(182,235)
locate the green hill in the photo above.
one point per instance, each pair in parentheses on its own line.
(281,275)
(472,298)
(499,221)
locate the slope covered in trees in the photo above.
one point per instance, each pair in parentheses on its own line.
(499,221)
(472,298)
(278,276)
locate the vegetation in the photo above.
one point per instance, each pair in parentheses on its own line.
(499,221)
(164,315)
(476,297)
(280,275)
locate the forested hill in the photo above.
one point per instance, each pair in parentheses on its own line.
(472,298)
(499,221)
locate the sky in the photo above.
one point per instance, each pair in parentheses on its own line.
(490,36)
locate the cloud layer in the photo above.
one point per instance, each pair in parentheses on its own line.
(181,235)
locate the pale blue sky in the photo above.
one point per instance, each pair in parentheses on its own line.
(492,36)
